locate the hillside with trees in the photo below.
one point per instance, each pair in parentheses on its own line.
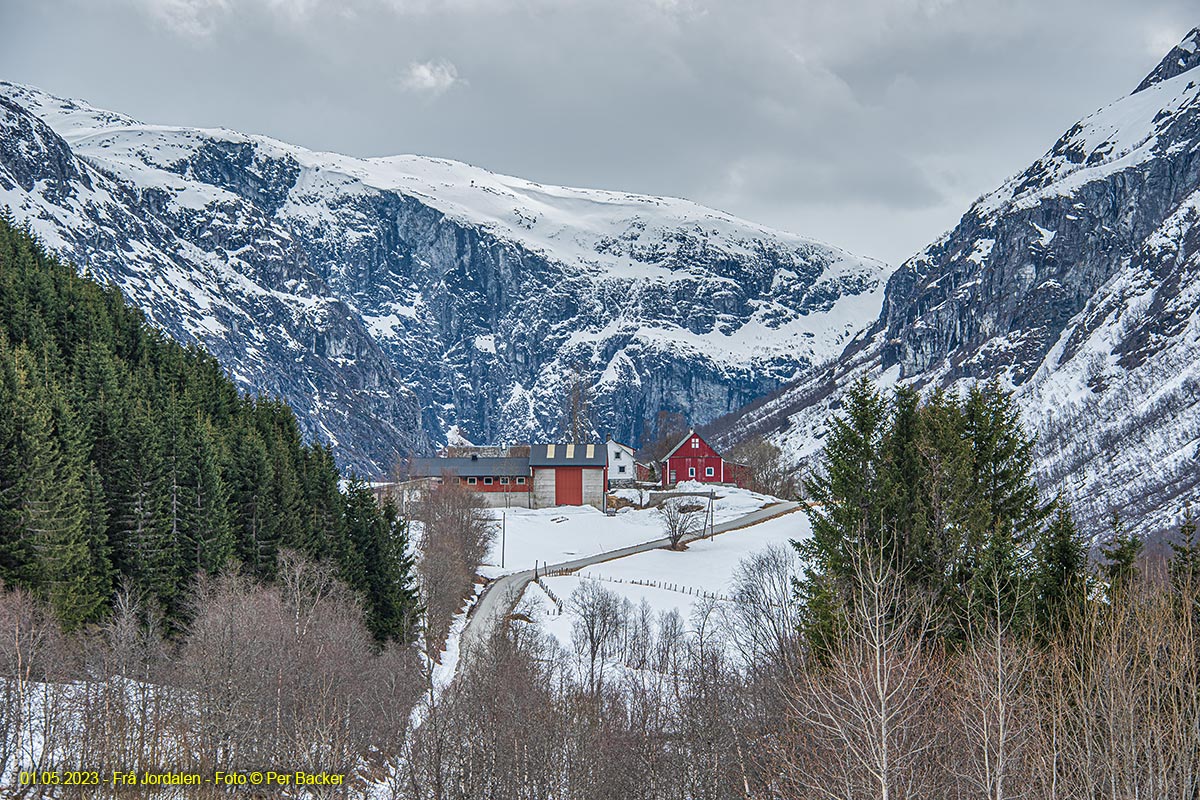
(130,461)
(188,588)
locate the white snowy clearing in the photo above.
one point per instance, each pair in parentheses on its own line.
(666,580)
(564,533)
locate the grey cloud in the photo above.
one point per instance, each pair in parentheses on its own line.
(868,123)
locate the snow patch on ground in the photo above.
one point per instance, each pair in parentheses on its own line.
(664,579)
(552,535)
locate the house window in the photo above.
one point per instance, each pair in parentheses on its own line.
(621,468)
(472,481)
(617,455)
(504,481)
(487,481)
(695,444)
(709,471)
(691,472)
(520,481)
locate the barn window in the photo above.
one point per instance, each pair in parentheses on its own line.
(472,481)
(691,472)
(709,471)
(504,481)
(621,468)
(520,481)
(487,481)
(695,444)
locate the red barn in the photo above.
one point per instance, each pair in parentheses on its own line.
(568,474)
(694,460)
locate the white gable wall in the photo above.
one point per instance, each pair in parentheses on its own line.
(620,455)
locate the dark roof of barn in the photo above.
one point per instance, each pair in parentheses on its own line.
(568,455)
(467,467)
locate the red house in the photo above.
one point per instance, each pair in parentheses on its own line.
(694,460)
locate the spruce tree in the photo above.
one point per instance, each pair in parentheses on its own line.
(947,458)
(902,484)
(846,509)
(1185,554)
(140,521)
(205,532)
(256,544)
(95,524)
(1121,553)
(387,578)
(16,551)
(49,514)
(1003,512)
(1059,573)
(1003,494)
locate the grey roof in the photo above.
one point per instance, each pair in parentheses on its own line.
(568,455)
(467,467)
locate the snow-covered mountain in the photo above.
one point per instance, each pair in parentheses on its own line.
(1078,282)
(392,301)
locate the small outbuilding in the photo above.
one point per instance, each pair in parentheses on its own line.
(693,459)
(572,474)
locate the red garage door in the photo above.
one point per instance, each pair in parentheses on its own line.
(568,486)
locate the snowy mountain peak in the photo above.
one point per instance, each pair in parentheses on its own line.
(1076,283)
(358,288)
(1183,57)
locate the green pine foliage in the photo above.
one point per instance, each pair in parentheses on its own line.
(1185,554)
(126,457)
(1059,574)
(1121,553)
(943,490)
(384,568)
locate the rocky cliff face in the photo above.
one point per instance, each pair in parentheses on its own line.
(210,268)
(1076,282)
(392,300)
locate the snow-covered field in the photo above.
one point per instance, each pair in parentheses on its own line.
(664,579)
(553,535)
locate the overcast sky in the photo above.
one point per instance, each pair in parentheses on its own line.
(871,124)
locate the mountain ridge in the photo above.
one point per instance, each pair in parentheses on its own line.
(1075,282)
(480,299)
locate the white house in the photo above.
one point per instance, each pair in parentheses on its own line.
(622,470)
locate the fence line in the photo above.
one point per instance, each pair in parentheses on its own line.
(670,587)
(549,593)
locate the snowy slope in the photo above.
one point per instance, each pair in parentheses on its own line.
(488,296)
(1077,283)
(665,581)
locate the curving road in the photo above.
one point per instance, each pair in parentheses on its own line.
(502,594)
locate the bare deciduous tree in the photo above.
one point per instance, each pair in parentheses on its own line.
(597,613)
(770,473)
(762,617)
(680,520)
(868,702)
(455,532)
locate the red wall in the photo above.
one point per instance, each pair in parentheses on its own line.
(680,464)
(700,458)
(568,486)
(496,486)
